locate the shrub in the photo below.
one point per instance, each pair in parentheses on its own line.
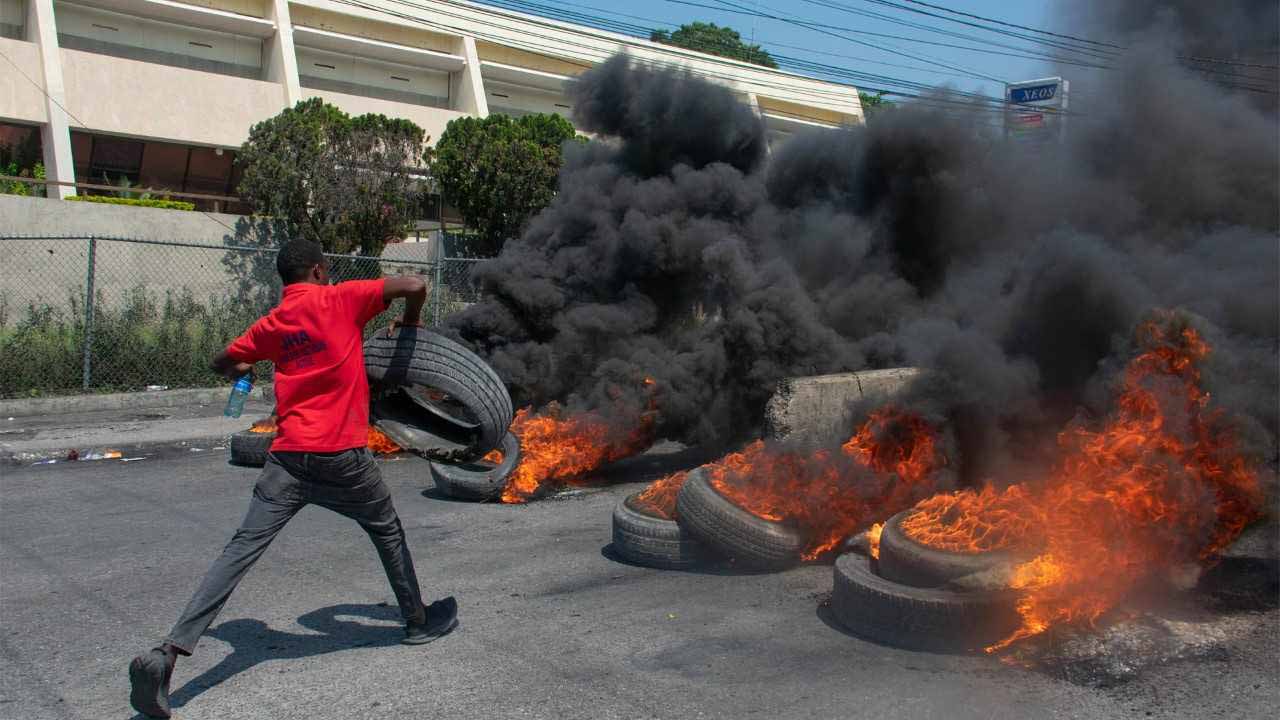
(164,204)
(143,339)
(140,337)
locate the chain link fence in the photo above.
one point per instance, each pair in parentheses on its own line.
(105,314)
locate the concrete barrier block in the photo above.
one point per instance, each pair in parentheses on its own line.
(819,409)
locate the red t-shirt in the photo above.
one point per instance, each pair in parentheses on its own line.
(314,338)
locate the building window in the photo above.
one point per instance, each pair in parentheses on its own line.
(157,167)
(115,161)
(519,100)
(321,70)
(21,155)
(13,19)
(209,171)
(153,41)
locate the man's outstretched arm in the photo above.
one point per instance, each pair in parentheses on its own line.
(414,291)
(228,367)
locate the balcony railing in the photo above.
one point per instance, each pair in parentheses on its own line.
(209,203)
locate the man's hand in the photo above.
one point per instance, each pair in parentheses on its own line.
(397,324)
(231,369)
(414,291)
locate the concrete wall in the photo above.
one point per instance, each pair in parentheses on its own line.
(20,99)
(819,409)
(49,271)
(164,102)
(39,216)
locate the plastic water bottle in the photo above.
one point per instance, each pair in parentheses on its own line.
(239,393)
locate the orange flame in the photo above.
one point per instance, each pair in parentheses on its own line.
(974,521)
(1161,483)
(267,425)
(380,443)
(494,456)
(659,499)
(873,539)
(889,463)
(555,448)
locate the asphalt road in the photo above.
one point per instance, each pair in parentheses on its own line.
(97,559)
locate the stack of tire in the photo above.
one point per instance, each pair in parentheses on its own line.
(911,596)
(920,598)
(707,526)
(461,397)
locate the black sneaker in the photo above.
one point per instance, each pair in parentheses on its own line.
(149,675)
(441,618)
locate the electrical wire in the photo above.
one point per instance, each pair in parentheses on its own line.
(597,54)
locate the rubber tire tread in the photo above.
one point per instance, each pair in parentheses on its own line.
(250,449)
(737,534)
(438,362)
(918,618)
(653,541)
(466,484)
(449,355)
(905,561)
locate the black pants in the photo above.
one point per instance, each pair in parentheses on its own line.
(346,482)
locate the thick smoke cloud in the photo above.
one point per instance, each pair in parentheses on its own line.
(648,265)
(677,250)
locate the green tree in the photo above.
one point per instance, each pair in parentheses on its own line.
(873,104)
(716,40)
(499,171)
(346,183)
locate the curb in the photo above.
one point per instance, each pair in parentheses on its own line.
(119,401)
(205,444)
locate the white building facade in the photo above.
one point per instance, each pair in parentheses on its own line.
(161,93)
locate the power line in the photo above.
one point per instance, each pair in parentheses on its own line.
(1030,38)
(644,32)
(1221,61)
(1037,54)
(599,55)
(761,40)
(816,27)
(1014,25)
(834,5)
(884,84)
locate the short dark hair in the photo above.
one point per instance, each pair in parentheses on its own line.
(296,258)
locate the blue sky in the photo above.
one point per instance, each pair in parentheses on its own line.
(854,50)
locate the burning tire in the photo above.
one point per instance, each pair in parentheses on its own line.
(906,561)
(742,537)
(917,618)
(250,449)
(480,480)
(450,382)
(647,539)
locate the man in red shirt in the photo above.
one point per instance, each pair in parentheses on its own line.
(319,456)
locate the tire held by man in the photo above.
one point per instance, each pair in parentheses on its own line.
(740,536)
(418,357)
(478,480)
(647,539)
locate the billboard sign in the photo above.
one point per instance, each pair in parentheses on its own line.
(1035,110)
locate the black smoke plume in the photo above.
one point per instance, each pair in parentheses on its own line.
(678,249)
